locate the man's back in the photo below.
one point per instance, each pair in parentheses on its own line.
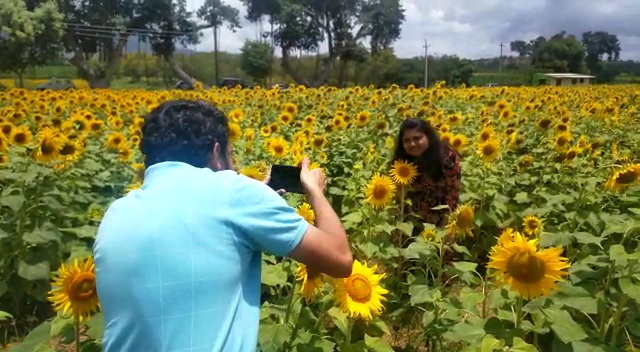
(178,261)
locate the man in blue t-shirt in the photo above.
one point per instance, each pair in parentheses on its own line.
(178,261)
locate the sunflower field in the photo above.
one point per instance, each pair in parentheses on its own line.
(543,253)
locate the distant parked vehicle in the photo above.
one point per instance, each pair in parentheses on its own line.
(56,84)
(232,82)
(491,85)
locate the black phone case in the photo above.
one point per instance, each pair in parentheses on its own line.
(287,178)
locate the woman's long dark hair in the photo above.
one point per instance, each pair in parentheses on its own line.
(430,163)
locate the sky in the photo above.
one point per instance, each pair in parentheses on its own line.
(475,28)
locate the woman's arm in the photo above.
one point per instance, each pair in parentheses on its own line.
(453,179)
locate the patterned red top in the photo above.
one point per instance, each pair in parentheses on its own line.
(426,193)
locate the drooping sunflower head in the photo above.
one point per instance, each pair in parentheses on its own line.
(74,290)
(526,270)
(361,295)
(380,191)
(403,173)
(461,220)
(310,286)
(625,178)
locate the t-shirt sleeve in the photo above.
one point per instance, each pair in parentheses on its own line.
(263,219)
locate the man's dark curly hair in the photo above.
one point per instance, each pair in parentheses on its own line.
(183,131)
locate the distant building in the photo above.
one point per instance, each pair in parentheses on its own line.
(561,79)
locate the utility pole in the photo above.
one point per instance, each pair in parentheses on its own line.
(426,64)
(500,68)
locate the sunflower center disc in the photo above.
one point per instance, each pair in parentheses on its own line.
(526,267)
(83,286)
(379,192)
(359,288)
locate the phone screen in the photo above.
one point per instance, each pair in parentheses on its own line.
(286,177)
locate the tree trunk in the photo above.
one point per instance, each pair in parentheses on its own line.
(102,78)
(178,71)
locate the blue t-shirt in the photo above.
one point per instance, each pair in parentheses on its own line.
(178,261)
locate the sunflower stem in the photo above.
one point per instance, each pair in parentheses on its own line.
(77,337)
(616,320)
(292,294)
(350,324)
(519,312)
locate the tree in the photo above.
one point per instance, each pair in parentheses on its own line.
(256,60)
(597,44)
(304,24)
(215,13)
(28,38)
(521,47)
(97,31)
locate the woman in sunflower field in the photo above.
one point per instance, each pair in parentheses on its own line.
(439,175)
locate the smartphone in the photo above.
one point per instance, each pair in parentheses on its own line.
(286,177)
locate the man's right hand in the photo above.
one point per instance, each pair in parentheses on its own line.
(312,180)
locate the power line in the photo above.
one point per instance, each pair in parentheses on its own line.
(120,29)
(115,34)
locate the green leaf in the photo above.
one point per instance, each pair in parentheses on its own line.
(355,217)
(43,347)
(576,297)
(490,344)
(618,255)
(406,228)
(630,288)
(522,198)
(316,344)
(418,249)
(272,337)
(563,325)
(273,274)
(470,299)
(461,249)
(465,267)
(377,344)
(44,234)
(635,210)
(37,336)
(584,346)
(34,272)
(95,326)
(471,331)
(339,319)
(359,346)
(423,294)
(3,234)
(85,231)
(587,238)
(14,202)
(59,324)
(519,345)
(5,316)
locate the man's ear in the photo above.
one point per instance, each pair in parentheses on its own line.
(216,159)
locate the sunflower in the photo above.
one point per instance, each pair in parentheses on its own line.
(363,118)
(624,178)
(21,135)
(459,143)
(380,191)
(133,186)
(235,132)
(307,213)
(488,150)
(115,140)
(74,290)
(252,172)
(528,271)
(285,118)
(532,225)
(403,172)
(430,234)
(309,285)
(278,147)
(50,141)
(461,221)
(360,295)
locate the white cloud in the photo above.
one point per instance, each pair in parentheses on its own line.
(475,28)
